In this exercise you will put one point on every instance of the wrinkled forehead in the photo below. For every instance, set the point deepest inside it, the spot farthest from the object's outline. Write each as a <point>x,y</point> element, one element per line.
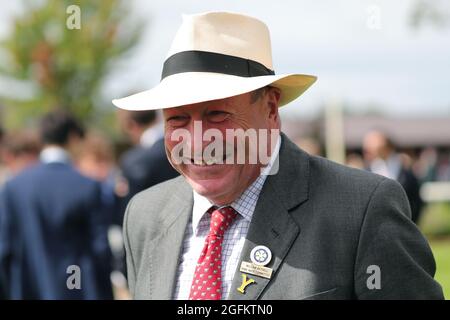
<point>230,103</point>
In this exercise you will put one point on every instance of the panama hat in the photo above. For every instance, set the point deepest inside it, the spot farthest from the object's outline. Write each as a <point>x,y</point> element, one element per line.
<point>216,55</point>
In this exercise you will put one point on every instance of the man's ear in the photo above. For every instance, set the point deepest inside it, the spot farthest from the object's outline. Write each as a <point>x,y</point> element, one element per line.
<point>273,96</point>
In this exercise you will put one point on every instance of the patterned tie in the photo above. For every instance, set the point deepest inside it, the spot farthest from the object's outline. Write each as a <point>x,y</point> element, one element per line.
<point>207,281</point>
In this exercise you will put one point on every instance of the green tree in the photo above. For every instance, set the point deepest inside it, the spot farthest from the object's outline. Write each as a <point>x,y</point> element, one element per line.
<point>435,13</point>
<point>63,67</point>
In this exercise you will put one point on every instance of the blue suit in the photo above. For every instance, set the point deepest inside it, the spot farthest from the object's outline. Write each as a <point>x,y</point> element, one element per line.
<point>145,167</point>
<point>51,217</point>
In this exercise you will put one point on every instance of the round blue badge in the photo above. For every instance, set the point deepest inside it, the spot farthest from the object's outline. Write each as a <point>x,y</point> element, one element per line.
<point>261,255</point>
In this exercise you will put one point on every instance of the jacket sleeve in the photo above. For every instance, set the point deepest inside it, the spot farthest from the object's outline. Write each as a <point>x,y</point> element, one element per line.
<point>100,250</point>
<point>5,246</point>
<point>131,273</point>
<point>393,259</point>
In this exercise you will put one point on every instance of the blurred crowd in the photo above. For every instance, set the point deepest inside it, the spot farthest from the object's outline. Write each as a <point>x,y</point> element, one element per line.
<point>411,168</point>
<point>64,192</point>
<point>63,195</point>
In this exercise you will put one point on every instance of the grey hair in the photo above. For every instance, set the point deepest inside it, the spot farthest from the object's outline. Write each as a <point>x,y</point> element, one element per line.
<point>258,94</point>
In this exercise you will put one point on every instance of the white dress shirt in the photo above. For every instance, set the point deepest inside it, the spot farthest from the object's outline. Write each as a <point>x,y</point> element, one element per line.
<point>234,238</point>
<point>151,135</point>
<point>53,154</point>
<point>390,168</point>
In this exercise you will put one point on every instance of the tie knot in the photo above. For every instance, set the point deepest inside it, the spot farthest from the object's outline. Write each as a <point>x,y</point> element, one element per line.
<point>221,219</point>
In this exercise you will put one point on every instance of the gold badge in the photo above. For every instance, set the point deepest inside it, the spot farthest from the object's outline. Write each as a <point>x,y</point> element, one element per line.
<point>245,283</point>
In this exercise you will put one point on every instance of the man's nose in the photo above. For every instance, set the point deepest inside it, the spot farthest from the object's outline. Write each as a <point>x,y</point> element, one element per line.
<point>197,144</point>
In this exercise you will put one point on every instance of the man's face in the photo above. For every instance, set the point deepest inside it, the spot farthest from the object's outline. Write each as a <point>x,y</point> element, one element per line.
<point>375,146</point>
<point>220,183</point>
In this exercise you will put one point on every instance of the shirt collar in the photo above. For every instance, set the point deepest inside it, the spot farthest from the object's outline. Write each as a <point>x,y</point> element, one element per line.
<point>245,204</point>
<point>151,135</point>
<point>54,154</point>
<point>390,167</point>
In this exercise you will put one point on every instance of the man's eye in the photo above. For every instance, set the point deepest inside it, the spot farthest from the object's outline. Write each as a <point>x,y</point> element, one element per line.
<point>218,116</point>
<point>177,121</point>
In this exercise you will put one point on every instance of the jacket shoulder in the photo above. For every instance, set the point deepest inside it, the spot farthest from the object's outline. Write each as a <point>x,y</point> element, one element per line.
<point>149,203</point>
<point>331,175</point>
<point>162,192</point>
<point>342,194</point>
<point>54,177</point>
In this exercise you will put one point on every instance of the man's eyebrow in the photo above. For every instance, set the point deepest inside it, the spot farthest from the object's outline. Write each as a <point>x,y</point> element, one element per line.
<point>218,110</point>
<point>176,116</point>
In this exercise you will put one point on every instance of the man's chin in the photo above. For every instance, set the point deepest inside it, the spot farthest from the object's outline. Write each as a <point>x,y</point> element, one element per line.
<point>209,188</point>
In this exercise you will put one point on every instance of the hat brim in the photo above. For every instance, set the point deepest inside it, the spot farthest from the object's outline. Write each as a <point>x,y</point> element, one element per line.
<point>194,87</point>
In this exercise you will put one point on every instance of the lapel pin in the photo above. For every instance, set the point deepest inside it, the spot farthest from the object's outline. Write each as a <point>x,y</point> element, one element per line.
<point>245,283</point>
<point>260,257</point>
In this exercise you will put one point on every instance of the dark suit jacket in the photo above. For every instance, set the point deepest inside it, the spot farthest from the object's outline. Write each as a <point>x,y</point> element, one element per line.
<point>51,218</point>
<point>146,167</point>
<point>411,185</point>
<point>327,226</point>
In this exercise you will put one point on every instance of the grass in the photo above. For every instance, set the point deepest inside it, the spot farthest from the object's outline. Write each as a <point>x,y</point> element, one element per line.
<point>435,220</point>
<point>441,251</point>
<point>435,224</point>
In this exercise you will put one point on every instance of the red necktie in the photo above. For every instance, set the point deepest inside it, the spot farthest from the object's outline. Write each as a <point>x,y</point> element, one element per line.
<point>207,281</point>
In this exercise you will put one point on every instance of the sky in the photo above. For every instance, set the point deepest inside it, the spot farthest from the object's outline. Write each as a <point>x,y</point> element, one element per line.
<point>365,53</point>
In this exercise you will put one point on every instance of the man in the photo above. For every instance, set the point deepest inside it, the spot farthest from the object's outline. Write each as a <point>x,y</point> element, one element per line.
<point>146,164</point>
<point>381,158</point>
<point>19,151</point>
<point>53,242</point>
<point>294,227</point>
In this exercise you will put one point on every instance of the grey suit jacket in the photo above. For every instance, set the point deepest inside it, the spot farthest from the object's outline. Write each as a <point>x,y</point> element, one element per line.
<point>327,226</point>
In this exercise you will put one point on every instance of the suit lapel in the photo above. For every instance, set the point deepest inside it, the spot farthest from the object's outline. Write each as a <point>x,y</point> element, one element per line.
<point>167,248</point>
<point>272,224</point>
<point>272,227</point>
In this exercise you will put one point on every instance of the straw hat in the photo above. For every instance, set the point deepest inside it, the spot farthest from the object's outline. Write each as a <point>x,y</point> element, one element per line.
<point>216,55</point>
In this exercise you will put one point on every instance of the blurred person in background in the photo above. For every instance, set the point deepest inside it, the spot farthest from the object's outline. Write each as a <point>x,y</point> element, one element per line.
<point>443,167</point>
<point>381,157</point>
<point>20,149</point>
<point>3,170</point>
<point>310,145</point>
<point>52,224</point>
<point>426,165</point>
<point>146,164</point>
<point>96,160</point>
<point>95,157</point>
<point>355,160</point>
